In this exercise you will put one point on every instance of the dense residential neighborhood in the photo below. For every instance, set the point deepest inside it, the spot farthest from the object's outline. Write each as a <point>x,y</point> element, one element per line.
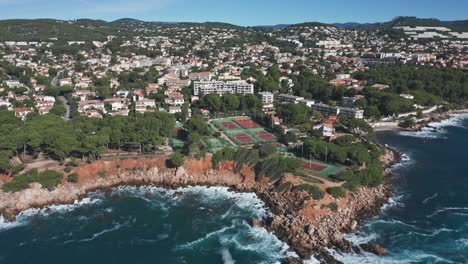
<point>171,68</point>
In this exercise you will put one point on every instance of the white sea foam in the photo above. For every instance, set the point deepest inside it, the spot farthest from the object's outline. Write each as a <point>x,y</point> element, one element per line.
<point>5,224</point>
<point>405,257</point>
<point>115,227</point>
<point>227,257</point>
<point>425,201</point>
<point>358,238</point>
<point>394,202</point>
<point>206,237</point>
<point>462,242</point>
<point>426,133</point>
<point>447,209</point>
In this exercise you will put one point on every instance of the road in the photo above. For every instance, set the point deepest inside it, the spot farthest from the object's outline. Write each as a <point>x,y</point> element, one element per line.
<point>56,78</point>
<point>60,97</point>
<point>67,107</point>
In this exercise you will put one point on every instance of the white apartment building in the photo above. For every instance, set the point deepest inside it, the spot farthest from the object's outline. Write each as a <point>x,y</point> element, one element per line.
<point>288,98</point>
<point>266,97</point>
<point>337,110</point>
<point>219,87</point>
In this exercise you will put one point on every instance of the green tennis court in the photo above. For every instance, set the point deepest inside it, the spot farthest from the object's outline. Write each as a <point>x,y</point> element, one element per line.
<point>320,167</point>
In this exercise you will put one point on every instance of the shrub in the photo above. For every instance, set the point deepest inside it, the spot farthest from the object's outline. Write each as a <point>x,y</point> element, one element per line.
<point>18,168</point>
<point>333,206</point>
<point>176,160</point>
<point>407,122</point>
<point>267,149</point>
<point>314,191</point>
<point>73,162</point>
<point>67,169</point>
<point>337,192</point>
<point>102,174</point>
<point>47,178</point>
<point>73,177</point>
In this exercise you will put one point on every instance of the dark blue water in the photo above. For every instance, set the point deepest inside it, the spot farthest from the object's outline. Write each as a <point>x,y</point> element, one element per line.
<point>144,225</point>
<point>427,220</point>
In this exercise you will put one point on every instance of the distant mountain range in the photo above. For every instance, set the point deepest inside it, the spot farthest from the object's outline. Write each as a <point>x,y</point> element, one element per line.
<point>90,29</point>
<point>461,25</point>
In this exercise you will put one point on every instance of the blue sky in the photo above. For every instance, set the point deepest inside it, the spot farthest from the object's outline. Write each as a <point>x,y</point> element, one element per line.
<point>240,12</point>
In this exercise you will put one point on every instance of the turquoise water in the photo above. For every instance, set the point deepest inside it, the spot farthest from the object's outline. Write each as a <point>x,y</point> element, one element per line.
<point>427,220</point>
<point>144,225</point>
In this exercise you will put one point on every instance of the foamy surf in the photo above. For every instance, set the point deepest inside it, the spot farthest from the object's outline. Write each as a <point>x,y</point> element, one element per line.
<point>227,257</point>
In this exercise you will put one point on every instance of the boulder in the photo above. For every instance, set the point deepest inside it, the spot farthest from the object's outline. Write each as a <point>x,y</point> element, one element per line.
<point>374,248</point>
<point>257,223</point>
<point>291,260</point>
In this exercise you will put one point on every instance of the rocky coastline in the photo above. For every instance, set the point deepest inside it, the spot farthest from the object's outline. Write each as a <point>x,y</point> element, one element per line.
<point>436,117</point>
<point>306,225</point>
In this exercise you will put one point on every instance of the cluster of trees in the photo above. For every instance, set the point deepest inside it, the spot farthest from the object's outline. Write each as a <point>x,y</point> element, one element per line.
<point>450,84</point>
<point>81,136</point>
<point>8,70</point>
<point>138,78</point>
<point>229,102</point>
<point>264,157</point>
<point>387,103</point>
<point>311,86</point>
<point>196,128</point>
<point>372,175</point>
<point>294,114</point>
<point>265,83</point>
<point>345,150</point>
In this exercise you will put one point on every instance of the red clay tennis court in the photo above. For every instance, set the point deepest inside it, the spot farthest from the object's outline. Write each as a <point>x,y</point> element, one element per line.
<point>229,125</point>
<point>313,166</point>
<point>247,123</point>
<point>265,135</point>
<point>243,138</point>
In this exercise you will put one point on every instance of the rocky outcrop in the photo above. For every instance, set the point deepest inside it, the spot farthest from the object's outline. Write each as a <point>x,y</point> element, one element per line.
<point>307,225</point>
<point>374,248</point>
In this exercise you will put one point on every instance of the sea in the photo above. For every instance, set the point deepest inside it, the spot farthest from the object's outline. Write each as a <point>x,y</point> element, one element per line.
<point>426,221</point>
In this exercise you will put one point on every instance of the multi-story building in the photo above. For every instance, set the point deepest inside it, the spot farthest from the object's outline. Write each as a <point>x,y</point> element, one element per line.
<point>288,98</point>
<point>266,97</point>
<point>200,76</point>
<point>204,88</point>
<point>338,110</point>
